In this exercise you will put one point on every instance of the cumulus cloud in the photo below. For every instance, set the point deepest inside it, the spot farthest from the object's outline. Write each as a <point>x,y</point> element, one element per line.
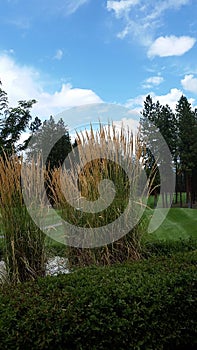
<point>189,83</point>
<point>171,98</point>
<point>171,46</point>
<point>25,82</point>
<point>136,102</point>
<point>67,97</point>
<point>20,82</point>
<point>153,81</point>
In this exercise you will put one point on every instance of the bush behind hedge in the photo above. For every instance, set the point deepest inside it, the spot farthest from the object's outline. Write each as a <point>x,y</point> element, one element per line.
<point>143,305</point>
<point>168,247</point>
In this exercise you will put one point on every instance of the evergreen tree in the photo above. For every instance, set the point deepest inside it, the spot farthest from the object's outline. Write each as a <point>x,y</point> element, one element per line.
<point>167,125</point>
<point>149,144</point>
<point>164,121</point>
<point>187,151</point>
<point>52,140</point>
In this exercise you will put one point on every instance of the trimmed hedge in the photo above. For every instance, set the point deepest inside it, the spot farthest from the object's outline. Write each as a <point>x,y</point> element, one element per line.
<point>143,305</point>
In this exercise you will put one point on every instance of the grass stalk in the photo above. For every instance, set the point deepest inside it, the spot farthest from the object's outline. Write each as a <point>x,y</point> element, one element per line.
<point>24,248</point>
<point>92,167</point>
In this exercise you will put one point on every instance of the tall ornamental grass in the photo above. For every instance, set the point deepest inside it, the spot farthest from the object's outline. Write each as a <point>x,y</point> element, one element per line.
<point>24,242</point>
<point>91,169</point>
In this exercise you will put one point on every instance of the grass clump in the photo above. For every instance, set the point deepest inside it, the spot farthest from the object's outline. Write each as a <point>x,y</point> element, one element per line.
<point>81,181</point>
<point>23,242</point>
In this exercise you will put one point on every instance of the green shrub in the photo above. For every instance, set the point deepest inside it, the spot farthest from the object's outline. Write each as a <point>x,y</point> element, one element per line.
<point>141,305</point>
<point>167,248</point>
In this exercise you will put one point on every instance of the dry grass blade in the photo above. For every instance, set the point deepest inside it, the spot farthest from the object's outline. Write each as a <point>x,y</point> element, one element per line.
<point>24,253</point>
<point>103,154</point>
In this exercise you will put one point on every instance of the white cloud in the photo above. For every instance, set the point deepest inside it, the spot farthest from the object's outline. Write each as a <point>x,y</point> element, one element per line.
<point>122,6</point>
<point>123,34</point>
<point>142,17</point>
<point>20,82</point>
<point>177,3</point>
<point>171,46</point>
<point>73,5</point>
<point>67,97</point>
<point>25,82</point>
<point>128,124</point>
<point>159,7</point>
<point>136,102</point>
<point>189,83</point>
<point>45,8</point>
<point>59,54</point>
<point>153,81</point>
<point>20,22</point>
<point>171,98</point>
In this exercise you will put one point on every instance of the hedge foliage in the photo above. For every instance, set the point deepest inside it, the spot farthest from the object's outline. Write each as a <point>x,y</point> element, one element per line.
<point>168,247</point>
<point>149,304</point>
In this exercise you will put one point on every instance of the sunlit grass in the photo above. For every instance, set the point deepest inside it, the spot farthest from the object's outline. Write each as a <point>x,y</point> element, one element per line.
<point>180,223</point>
<point>115,149</point>
<point>23,241</point>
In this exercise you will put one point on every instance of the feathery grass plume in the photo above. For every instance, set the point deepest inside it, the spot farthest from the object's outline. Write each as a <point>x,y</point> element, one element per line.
<point>24,248</point>
<point>105,154</point>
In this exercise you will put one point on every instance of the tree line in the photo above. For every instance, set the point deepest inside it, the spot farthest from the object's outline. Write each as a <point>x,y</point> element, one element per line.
<point>179,129</point>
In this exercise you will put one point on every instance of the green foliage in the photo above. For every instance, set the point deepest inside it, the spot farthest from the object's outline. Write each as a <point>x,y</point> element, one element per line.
<point>179,130</point>
<point>13,121</point>
<point>54,248</point>
<point>187,133</point>
<point>163,118</point>
<point>143,305</point>
<point>52,140</point>
<point>168,248</point>
<point>3,99</point>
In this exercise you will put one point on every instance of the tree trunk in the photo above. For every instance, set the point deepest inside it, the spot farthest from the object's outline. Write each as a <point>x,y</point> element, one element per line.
<point>176,197</point>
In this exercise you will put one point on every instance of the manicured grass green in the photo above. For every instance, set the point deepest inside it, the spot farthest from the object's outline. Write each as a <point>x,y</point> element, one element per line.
<point>180,223</point>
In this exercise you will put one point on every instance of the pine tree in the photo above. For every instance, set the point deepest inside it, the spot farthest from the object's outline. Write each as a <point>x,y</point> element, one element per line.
<point>164,121</point>
<point>187,151</point>
<point>52,140</point>
<point>150,145</point>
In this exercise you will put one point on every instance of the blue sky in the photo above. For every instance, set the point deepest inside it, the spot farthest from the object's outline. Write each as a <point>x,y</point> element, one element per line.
<point>67,53</point>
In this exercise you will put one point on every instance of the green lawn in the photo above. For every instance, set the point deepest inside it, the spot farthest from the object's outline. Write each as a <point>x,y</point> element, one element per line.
<point>179,223</point>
